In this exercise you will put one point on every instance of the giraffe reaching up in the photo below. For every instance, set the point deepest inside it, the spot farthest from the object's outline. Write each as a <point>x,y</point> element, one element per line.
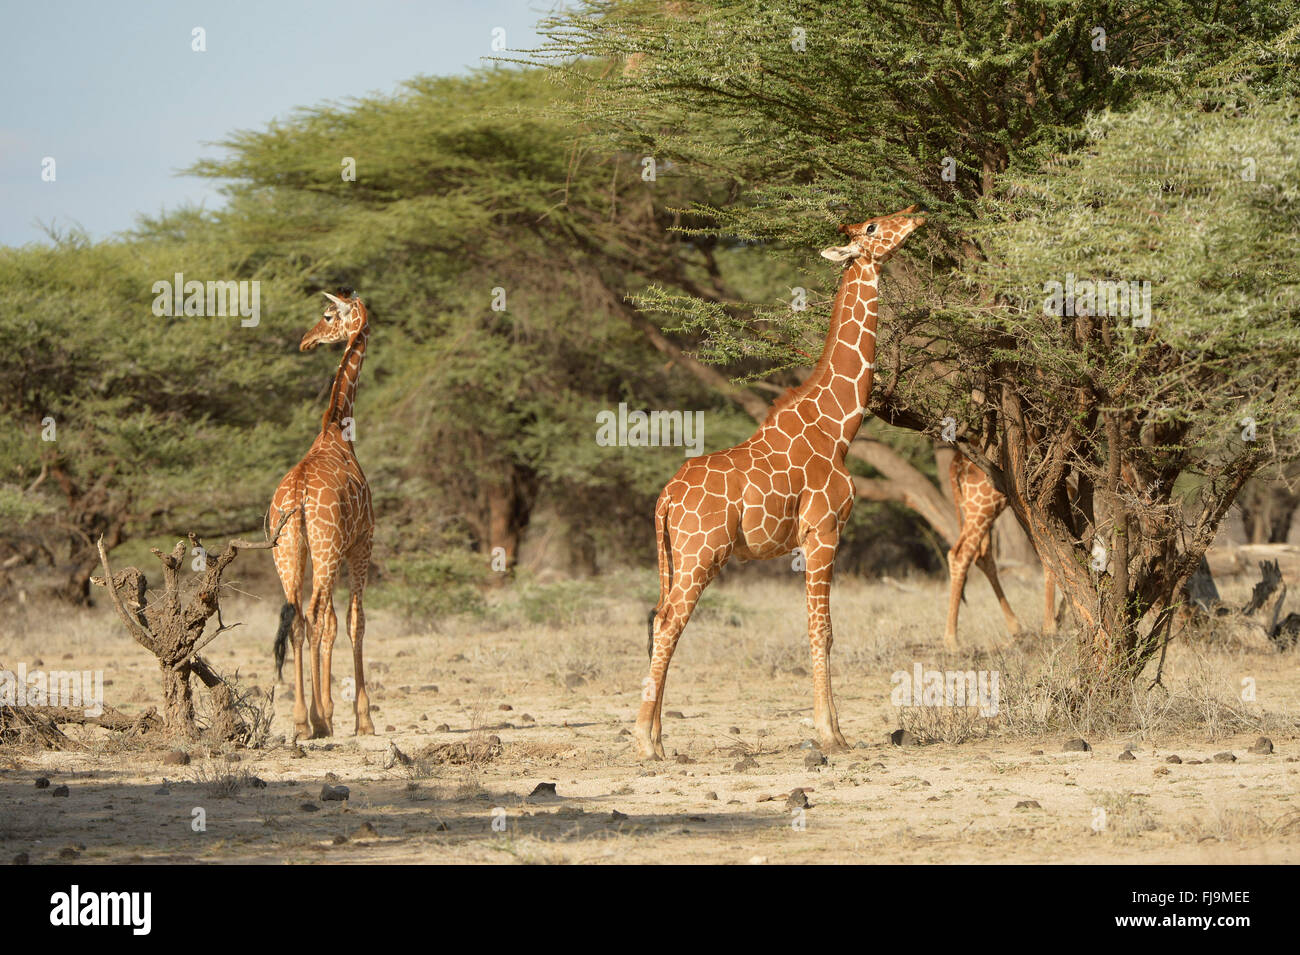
<point>978,505</point>
<point>335,521</point>
<point>785,487</point>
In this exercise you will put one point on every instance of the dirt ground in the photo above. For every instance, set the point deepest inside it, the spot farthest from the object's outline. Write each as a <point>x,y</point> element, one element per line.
<point>554,672</point>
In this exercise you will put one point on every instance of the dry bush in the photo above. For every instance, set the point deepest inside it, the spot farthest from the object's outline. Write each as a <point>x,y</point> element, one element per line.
<point>944,724</point>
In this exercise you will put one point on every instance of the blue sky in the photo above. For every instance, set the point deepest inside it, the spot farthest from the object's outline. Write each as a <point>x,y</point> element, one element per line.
<point>114,93</point>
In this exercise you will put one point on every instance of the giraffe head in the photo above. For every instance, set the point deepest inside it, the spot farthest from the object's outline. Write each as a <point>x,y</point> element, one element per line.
<point>343,319</point>
<point>876,239</point>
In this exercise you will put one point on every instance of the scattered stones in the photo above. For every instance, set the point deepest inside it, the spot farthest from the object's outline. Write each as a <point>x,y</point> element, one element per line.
<point>330,793</point>
<point>1028,804</point>
<point>901,738</point>
<point>1224,757</point>
<point>59,791</point>
<point>177,757</point>
<point>1175,758</point>
<point>814,760</point>
<point>747,763</point>
<point>1127,756</point>
<point>684,759</point>
<point>42,782</point>
<point>1263,746</point>
<point>1077,745</point>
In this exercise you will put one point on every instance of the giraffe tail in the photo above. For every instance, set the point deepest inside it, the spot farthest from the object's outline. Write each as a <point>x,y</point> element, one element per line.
<point>665,567</point>
<point>282,636</point>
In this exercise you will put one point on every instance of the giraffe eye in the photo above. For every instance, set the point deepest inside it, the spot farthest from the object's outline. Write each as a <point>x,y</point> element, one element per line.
<point>871,229</point>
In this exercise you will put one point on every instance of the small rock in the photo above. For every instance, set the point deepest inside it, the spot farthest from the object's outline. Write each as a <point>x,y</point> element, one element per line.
<point>59,791</point>
<point>814,760</point>
<point>1077,745</point>
<point>1263,746</point>
<point>365,831</point>
<point>575,680</point>
<point>67,852</point>
<point>684,759</point>
<point>21,859</point>
<point>617,816</point>
<point>257,782</point>
<point>330,793</point>
<point>442,728</point>
<point>162,791</point>
<point>711,796</point>
<point>1126,756</point>
<point>1224,757</point>
<point>1028,804</point>
<point>340,839</point>
<point>675,714</point>
<point>901,738</point>
<point>177,757</point>
<point>1193,762</point>
<point>797,800</point>
<point>734,730</point>
<point>1162,771</point>
<point>309,807</point>
<point>505,707</point>
<point>390,728</point>
<point>747,763</point>
<point>42,783</point>
<point>1175,758</point>
<point>1035,752</point>
<point>544,791</point>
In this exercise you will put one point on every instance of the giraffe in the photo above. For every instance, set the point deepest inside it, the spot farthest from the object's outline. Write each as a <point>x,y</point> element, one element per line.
<point>786,487</point>
<point>335,521</point>
<point>979,504</point>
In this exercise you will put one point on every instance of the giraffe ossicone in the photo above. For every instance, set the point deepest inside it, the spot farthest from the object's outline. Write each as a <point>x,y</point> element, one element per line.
<point>334,522</point>
<point>786,487</point>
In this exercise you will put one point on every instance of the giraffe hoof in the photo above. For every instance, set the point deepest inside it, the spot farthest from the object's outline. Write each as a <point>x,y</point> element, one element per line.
<point>367,730</point>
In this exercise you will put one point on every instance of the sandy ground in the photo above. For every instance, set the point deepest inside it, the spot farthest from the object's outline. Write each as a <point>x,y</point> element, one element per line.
<point>555,675</point>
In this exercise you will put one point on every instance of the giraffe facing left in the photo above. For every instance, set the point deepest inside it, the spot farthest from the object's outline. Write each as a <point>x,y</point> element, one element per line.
<point>334,522</point>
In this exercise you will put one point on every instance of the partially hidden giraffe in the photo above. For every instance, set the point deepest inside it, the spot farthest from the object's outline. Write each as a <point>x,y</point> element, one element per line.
<point>334,521</point>
<point>979,504</point>
<point>786,487</point>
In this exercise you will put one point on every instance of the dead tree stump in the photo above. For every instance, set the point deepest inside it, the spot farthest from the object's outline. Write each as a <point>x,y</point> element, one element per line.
<point>172,627</point>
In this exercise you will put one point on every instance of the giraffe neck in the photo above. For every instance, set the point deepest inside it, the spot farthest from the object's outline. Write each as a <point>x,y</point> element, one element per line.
<point>841,382</point>
<point>344,393</point>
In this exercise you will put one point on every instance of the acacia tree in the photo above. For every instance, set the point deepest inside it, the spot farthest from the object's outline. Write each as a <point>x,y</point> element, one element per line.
<point>813,115</point>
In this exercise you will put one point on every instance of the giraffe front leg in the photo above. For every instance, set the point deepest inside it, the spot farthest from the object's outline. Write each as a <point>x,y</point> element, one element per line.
<point>819,554</point>
<point>326,667</point>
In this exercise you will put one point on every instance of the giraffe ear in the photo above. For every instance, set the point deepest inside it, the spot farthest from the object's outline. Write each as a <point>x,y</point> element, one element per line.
<point>343,306</point>
<point>839,253</point>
